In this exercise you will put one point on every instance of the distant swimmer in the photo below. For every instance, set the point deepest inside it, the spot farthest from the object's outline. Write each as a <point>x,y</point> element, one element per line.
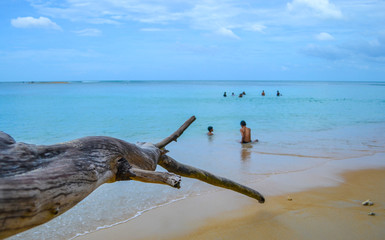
<point>240,95</point>
<point>263,93</point>
<point>278,93</point>
<point>243,93</point>
<point>211,130</point>
<point>232,94</point>
<point>224,94</point>
<point>245,133</point>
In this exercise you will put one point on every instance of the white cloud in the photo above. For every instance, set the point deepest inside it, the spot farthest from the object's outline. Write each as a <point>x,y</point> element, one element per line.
<point>107,11</point>
<point>30,22</point>
<point>151,29</point>
<point>326,52</point>
<point>256,27</point>
<point>227,33</point>
<point>204,15</point>
<point>211,16</point>
<point>89,32</point>
<point>321,8</point>
<point>323,36</point>
<point>49,54</point>
<point>159,29</point>
<point>373,50</point>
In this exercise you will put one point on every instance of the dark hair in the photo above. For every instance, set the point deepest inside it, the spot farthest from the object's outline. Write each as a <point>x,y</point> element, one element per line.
<point>210,128</point>
<point>243,123</point>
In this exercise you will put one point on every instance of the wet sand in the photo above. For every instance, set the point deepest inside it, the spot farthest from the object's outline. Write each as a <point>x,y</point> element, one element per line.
<point>333,212</point>
<point>322,213</point>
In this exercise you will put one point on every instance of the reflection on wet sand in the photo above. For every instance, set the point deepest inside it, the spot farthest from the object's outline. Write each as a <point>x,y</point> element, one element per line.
<point>246,152</point>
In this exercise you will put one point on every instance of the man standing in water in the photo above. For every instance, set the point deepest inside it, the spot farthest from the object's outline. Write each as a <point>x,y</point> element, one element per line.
<point>246,133</point>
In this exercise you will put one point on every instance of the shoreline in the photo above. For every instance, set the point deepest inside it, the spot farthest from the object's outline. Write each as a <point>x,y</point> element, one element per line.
<point>211,215</point>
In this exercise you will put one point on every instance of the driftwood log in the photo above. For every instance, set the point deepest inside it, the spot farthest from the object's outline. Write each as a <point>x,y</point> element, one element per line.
<point>38,182</point>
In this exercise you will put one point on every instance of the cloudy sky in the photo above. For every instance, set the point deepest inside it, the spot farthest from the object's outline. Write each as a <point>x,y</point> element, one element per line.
<point>65,40</point>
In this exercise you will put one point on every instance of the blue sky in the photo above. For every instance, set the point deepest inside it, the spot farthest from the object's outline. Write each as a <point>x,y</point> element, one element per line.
<point>71,40</point>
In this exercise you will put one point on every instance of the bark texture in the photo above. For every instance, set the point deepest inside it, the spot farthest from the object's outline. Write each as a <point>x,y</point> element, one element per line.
<point>38,182</point>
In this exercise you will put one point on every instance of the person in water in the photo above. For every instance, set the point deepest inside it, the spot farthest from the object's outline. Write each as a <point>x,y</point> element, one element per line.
<point>224,94</point>
<point>263,93</point>
<point>211,130</point>
<point>278,94</point>
<point>245,133</point>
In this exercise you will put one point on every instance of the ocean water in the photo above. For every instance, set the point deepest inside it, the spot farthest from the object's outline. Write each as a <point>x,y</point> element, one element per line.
<point>310,124</point>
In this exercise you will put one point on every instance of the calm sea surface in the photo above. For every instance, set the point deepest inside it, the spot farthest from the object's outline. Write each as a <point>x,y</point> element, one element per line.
<point>310,124</point>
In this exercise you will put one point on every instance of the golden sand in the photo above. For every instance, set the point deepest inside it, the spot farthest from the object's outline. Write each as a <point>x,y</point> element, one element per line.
<point>320,213</point>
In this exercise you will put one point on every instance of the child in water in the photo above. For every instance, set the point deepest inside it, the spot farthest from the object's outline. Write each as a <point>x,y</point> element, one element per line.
<point>211,130</point>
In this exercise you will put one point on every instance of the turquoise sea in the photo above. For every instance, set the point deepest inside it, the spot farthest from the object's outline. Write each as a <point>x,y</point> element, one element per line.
<point>310,124</point>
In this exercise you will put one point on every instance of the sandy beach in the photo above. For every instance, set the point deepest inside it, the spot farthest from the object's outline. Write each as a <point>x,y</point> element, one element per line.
<point>331,211</point>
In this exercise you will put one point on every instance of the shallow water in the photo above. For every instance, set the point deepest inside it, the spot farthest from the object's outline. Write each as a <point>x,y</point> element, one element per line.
<point>312,123</point>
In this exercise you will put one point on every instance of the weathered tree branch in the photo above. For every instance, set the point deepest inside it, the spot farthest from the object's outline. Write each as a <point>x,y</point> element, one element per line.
<point>156,177</point>
<point>38,183</point>
<point>184,170</point>
<point>176,134</point>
